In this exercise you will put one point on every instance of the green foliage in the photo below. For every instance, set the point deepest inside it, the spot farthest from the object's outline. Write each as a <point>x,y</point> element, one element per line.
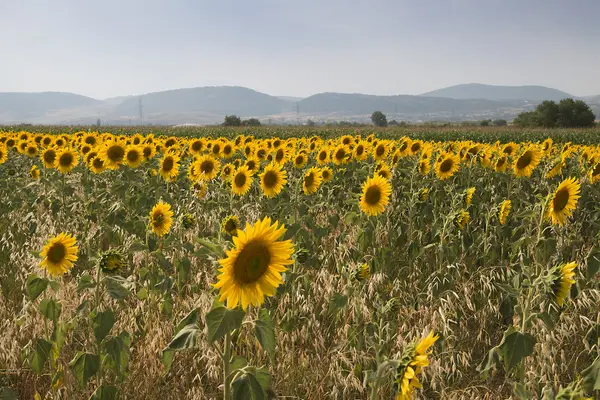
<point>379,119</point>
<point>221,321</point>
<point>265,332</point>
<point>568,113</point>
<point>84,366</point>
<point>232,120</point>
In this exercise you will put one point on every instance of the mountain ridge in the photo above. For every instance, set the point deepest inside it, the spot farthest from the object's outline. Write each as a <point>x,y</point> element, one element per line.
<point>499,92</point>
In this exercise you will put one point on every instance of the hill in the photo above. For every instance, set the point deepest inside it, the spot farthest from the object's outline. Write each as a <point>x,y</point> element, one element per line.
<point>31,107</point>
<point>498,93</point>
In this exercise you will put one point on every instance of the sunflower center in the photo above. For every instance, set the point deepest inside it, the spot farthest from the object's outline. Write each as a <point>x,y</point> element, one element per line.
<point>524,160</point>
<point>158,219</point>
<point>309,180</point>
<point>415,147</point>
<point>322,156</point>
<point>197,146</point>
<point>115,153</point>
<point>31,150</point>
<point>373,195</point>
<point>340,154</point>
<point>270,179</point>
<point>261,153</point>
<point>299,160</point>
<point>167,164</point>
<point>380,150</point>
<point>561,198</point>
<point>359,150</point>
<point>252,262</point>
<point>90,140</point>
<point>133,156</point>
<point>279,155</point>
<point>325,174</point>
<point>251,165</point>
<point>57,253</point>
<point>596,170</point>
<point>147,151</point>
<point>97,163</point>
<point>216,149</point>
<point>446,165</point>
<point>230,225</point>
<point>207,167</point>
<point>240,180</point>
<point>66,159</point>
<point>227,149</point>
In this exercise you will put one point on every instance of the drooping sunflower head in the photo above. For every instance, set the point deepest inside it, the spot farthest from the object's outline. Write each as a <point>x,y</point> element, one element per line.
<point>112,261</point>
<point>311,181</point>
<point>273,179</point>
<point>564,201</point>
<point>161,218</point>
<point>424,194</point>
<point>363,272</point>
<point>66,159</point>
<point>469,196</point>
<point>462,218</point>
<point>555,168</point>
<point>447,165</point>
<point>562,281</point>
<point>241,180</point>
<point>59,254</point>
<point>414,359</point>
<point>501,164</point>
<point>200,189</point>
<point>525,164</point>
<point>188,220</point>
<point>252,269</point>
<point>375,197</point>
<point>504,212</point>
<point>230,225</point>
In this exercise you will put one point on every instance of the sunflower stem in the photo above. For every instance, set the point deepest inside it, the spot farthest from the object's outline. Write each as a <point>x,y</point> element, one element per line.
<point>227,367</point>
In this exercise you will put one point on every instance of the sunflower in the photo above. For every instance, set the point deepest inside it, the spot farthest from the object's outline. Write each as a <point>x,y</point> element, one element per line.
<point>362,273</point>
<point>375,195</point>
<point>200,189</point>
<point>469,196</point>
<point>510,148</point>
<point>262,153</point>
<point>188,220</point>
<point>161,218</point>
<point>34,172</point>
<point>361,151</point>
<point>3,154</point>
<point>273,179</point>
<point>323,157</point>
<point>462,218</point>
<point>311,181</point>
<point>501,164</point>
<point>446,165</point>
<point>326,174</point>
<point>58,254</point>
<point>384,171</point>
<point>112,260</point>
<point>527,161</point>
<point>207,167</point>
<point>230,225</point>
<point>504,212</point>
<point>112,154</point>
<point>341,154</point>
<point>563,280</point>
<point>300,160</point>
<point>564,201</point>
<point>148,151</point>
<point>424,166</point>
<point>46,141</point>
<point>414,359</point>
<point>227,171</point>
<point>556,169</point>
<point>196,146</point>
<point>90,139</point>
<point>547,146</point>
<point>241,180</point>
<point>281,155</point>
<point>252,164</point>
<point>252,269</point>
<point>96,165</point>
<point>66,159</point>
<point>134,156</point>
<point>595,173</point>
<point>424,194</point>
<point>169,167</point>
<point>31,150</point>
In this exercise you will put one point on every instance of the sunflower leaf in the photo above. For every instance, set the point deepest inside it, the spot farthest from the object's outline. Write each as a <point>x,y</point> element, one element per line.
<point>84,366</point>
<point>116,287</point>
<point>185,338</point>
<point>593,262</point>
<point>220,321</point>
<point>245,386</point>
<point>35,286</point>
<point>105,393</point>
<point>265,332</point>
<point>102,323</point>
<point>38,357</point>
<point>50,309</point>
<point>515,347</point>
<point>191,318</point>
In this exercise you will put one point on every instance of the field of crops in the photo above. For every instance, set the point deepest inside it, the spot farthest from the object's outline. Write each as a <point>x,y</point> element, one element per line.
<point>299,263</point>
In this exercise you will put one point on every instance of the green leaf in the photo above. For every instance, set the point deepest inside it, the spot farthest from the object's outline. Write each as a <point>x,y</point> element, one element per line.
<point>35,286</point>
<point>490,362</point>
<point>337,302</point>
<point>162,261</point>
<point>265,332</point>
<point>593,262</point>
<point>7,393</point>
<point>50,309</point>
<point>238,362</point>
<point>84,366</point>
<point>151,243</point>
<point>117,287</point>
<point>102,324</point>
<point>220,321</point>
<point>592,335</point>
<point>116,349</point>
<point>185,338</point>
<point>245,386</point>
<point>191,318</point>
<point>591,376</point>
<point>85,282</point>
<point>208,248</point>
<point>520,391</point>
<point>105,393</point>
<point>167,359</point>
<point>515,347</point>
<point>183,268</point>
<point>55,285</point>
<point>547,319</point>
<point>40,354</point>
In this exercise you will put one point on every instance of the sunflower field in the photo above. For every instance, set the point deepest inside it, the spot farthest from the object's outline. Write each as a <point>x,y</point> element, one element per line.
<point>299,263</point>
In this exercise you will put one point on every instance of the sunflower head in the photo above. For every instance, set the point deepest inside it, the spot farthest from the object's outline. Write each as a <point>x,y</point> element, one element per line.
<point>504,212</point>
<point>161,218</point>
<point>188,220</point>
<point>562,279</point>
<point>375,197</point>
<point>564,201</point>
<point>169,167</point>
<point>134,156</point>
<point>462,219</point>
<point>273,179</point>
<point>446,165</point>
<point>59,254</point>
<point>525,164</point>
<point>311,181</point>
<point>241,180</point>
<point>252,269</point>
<point>112,261</point>
<point>230,225</point>
<point>469,196</point>
<point>34,172</point>
<point>362,273</point>
<point>113,154</point>
<point>326,174</point>
<point>424,194</point>
<point>66,159</point>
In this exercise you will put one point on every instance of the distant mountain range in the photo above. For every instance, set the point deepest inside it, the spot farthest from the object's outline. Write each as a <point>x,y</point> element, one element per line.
<point>208,105</point>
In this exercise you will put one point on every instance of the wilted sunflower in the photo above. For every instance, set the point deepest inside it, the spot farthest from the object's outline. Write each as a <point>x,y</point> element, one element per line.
<point>188,220</point>
<point>564,201</point>
<point>161,218</point>
<point>527,161</point>
<point>424,194</point>
<point>414,359</point>
<point>326,174</point>
<point>113,154</point>
<point>362,273</point>
<point>169,167</point>
<point>96,165</point>
<point>504,212</point>
<point>230,225</point>
<point>58,254</point>
<point>112,260</point>
<point>311,181</point>
<point>462,218</point>
<point>562,282</point>
<point>446,165</point>
<point>66,159</point>
<point>273,179</point>
<point>241,180</point>
<point>200,189</point>
<point>34,172</point>
<point>375,195</point>
<point>134,156</point>
<point>469,196</point>
<point>252,269</point>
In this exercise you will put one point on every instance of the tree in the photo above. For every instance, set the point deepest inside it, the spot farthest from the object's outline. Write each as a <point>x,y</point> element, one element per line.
<point>526,119</point>
<point>547,114</point>
<point>499,122</point>
<point>379,118</point>
<point>485,122</point>
<point>251,122</point>
<point>393,123</point>
<point>232,120</point>
<point>572,114</point>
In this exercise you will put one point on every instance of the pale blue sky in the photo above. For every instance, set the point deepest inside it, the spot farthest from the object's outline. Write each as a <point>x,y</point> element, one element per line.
<point>104,48</point>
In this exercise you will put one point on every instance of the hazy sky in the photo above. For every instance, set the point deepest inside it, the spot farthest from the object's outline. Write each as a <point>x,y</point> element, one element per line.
<point>104,48</point>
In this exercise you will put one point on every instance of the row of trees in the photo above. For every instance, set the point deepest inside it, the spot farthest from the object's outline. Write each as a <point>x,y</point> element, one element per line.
<point>234,120</point>
<point>379,119</point>
<point>568,113</point>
